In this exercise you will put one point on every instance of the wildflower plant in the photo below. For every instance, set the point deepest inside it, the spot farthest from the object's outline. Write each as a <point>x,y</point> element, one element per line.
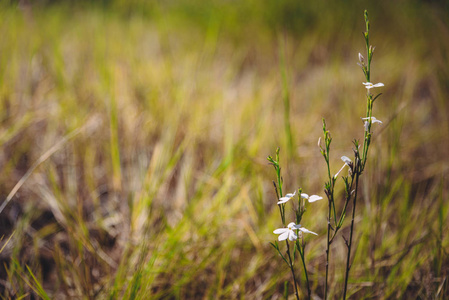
<point>337,211</point>
<point>293,232</point>
<point>355,167</point>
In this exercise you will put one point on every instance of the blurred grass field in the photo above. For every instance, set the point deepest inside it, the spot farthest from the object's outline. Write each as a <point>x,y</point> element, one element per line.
<point>153,122</point>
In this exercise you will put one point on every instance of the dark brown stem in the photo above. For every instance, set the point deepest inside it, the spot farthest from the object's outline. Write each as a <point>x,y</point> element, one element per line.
<point>349,243</point>
<point>327,250</point>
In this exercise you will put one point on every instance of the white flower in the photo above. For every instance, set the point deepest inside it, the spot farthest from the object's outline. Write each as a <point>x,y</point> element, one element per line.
<point>286,198</point>
<point>312,198</point>
<point>305,229</point>
<point>373,120</point>
<point>289,232</point>
<point>369,85</point>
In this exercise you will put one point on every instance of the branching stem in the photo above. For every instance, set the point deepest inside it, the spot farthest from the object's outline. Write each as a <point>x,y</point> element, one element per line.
<point>349,243</point>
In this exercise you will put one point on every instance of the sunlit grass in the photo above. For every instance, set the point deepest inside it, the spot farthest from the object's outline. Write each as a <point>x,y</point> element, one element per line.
<point>165,191</point>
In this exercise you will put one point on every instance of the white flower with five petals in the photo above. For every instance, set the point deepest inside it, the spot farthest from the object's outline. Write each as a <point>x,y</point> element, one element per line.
<point>369,85</point>
<point>290,232</point>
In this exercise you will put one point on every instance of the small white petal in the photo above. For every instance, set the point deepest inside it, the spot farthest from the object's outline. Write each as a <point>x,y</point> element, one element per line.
<point>305,196</point>
<point>307,230</point>
<point>286,198</point>
<point>283,236</point>
<point>283,200</point>
<point>291,225</point>
<point>373,120</point>
<point>378,84</point>
<point>346,160</point>
<point>292,236</point>
<point>280,230</point>
<point>361,58</point>
<point>314,198</point>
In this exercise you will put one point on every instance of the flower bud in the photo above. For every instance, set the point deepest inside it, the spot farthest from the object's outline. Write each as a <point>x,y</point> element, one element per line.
<point>361,58</point>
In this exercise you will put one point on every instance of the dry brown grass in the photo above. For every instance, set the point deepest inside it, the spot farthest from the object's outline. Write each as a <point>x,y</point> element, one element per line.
<point>165,191</point>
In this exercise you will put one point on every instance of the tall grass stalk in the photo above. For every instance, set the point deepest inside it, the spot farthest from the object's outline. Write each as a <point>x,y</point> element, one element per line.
<point>286,99</point>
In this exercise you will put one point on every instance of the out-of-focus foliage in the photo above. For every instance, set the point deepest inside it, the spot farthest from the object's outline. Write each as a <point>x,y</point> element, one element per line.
<point>161,115</point>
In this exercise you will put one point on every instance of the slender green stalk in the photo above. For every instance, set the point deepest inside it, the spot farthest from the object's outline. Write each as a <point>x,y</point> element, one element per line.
<point>360,161</point>
<point>292,270</point>
<point>301,252</point>
<point>286,290</point>
<point>355,170</point>
<point>329,190</point>
<point>301,249</point>
<point>349,244</point>
<point>327,249</point>
<point>348,189</point>
<point>275,163</point>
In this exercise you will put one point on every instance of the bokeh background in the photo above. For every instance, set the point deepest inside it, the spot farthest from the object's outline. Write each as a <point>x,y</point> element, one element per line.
<point>140,131</point>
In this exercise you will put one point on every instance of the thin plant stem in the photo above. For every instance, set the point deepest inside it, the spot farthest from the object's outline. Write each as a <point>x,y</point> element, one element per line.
<point>292,270</point>
<point>349,243</point>
<point>327,255</point>
<point>301,252</point>
<point>278,190</point>
<point>343,212</point>
<point>277,195</point>
<point>331,204</point>
<point>327,249</point>
<point>360,161</point>
<point>279,178</point>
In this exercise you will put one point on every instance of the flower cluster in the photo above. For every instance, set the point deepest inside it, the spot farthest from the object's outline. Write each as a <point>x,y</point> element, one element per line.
<point>369,85</point>
<point>293,231</point>
<point>289,196</point>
